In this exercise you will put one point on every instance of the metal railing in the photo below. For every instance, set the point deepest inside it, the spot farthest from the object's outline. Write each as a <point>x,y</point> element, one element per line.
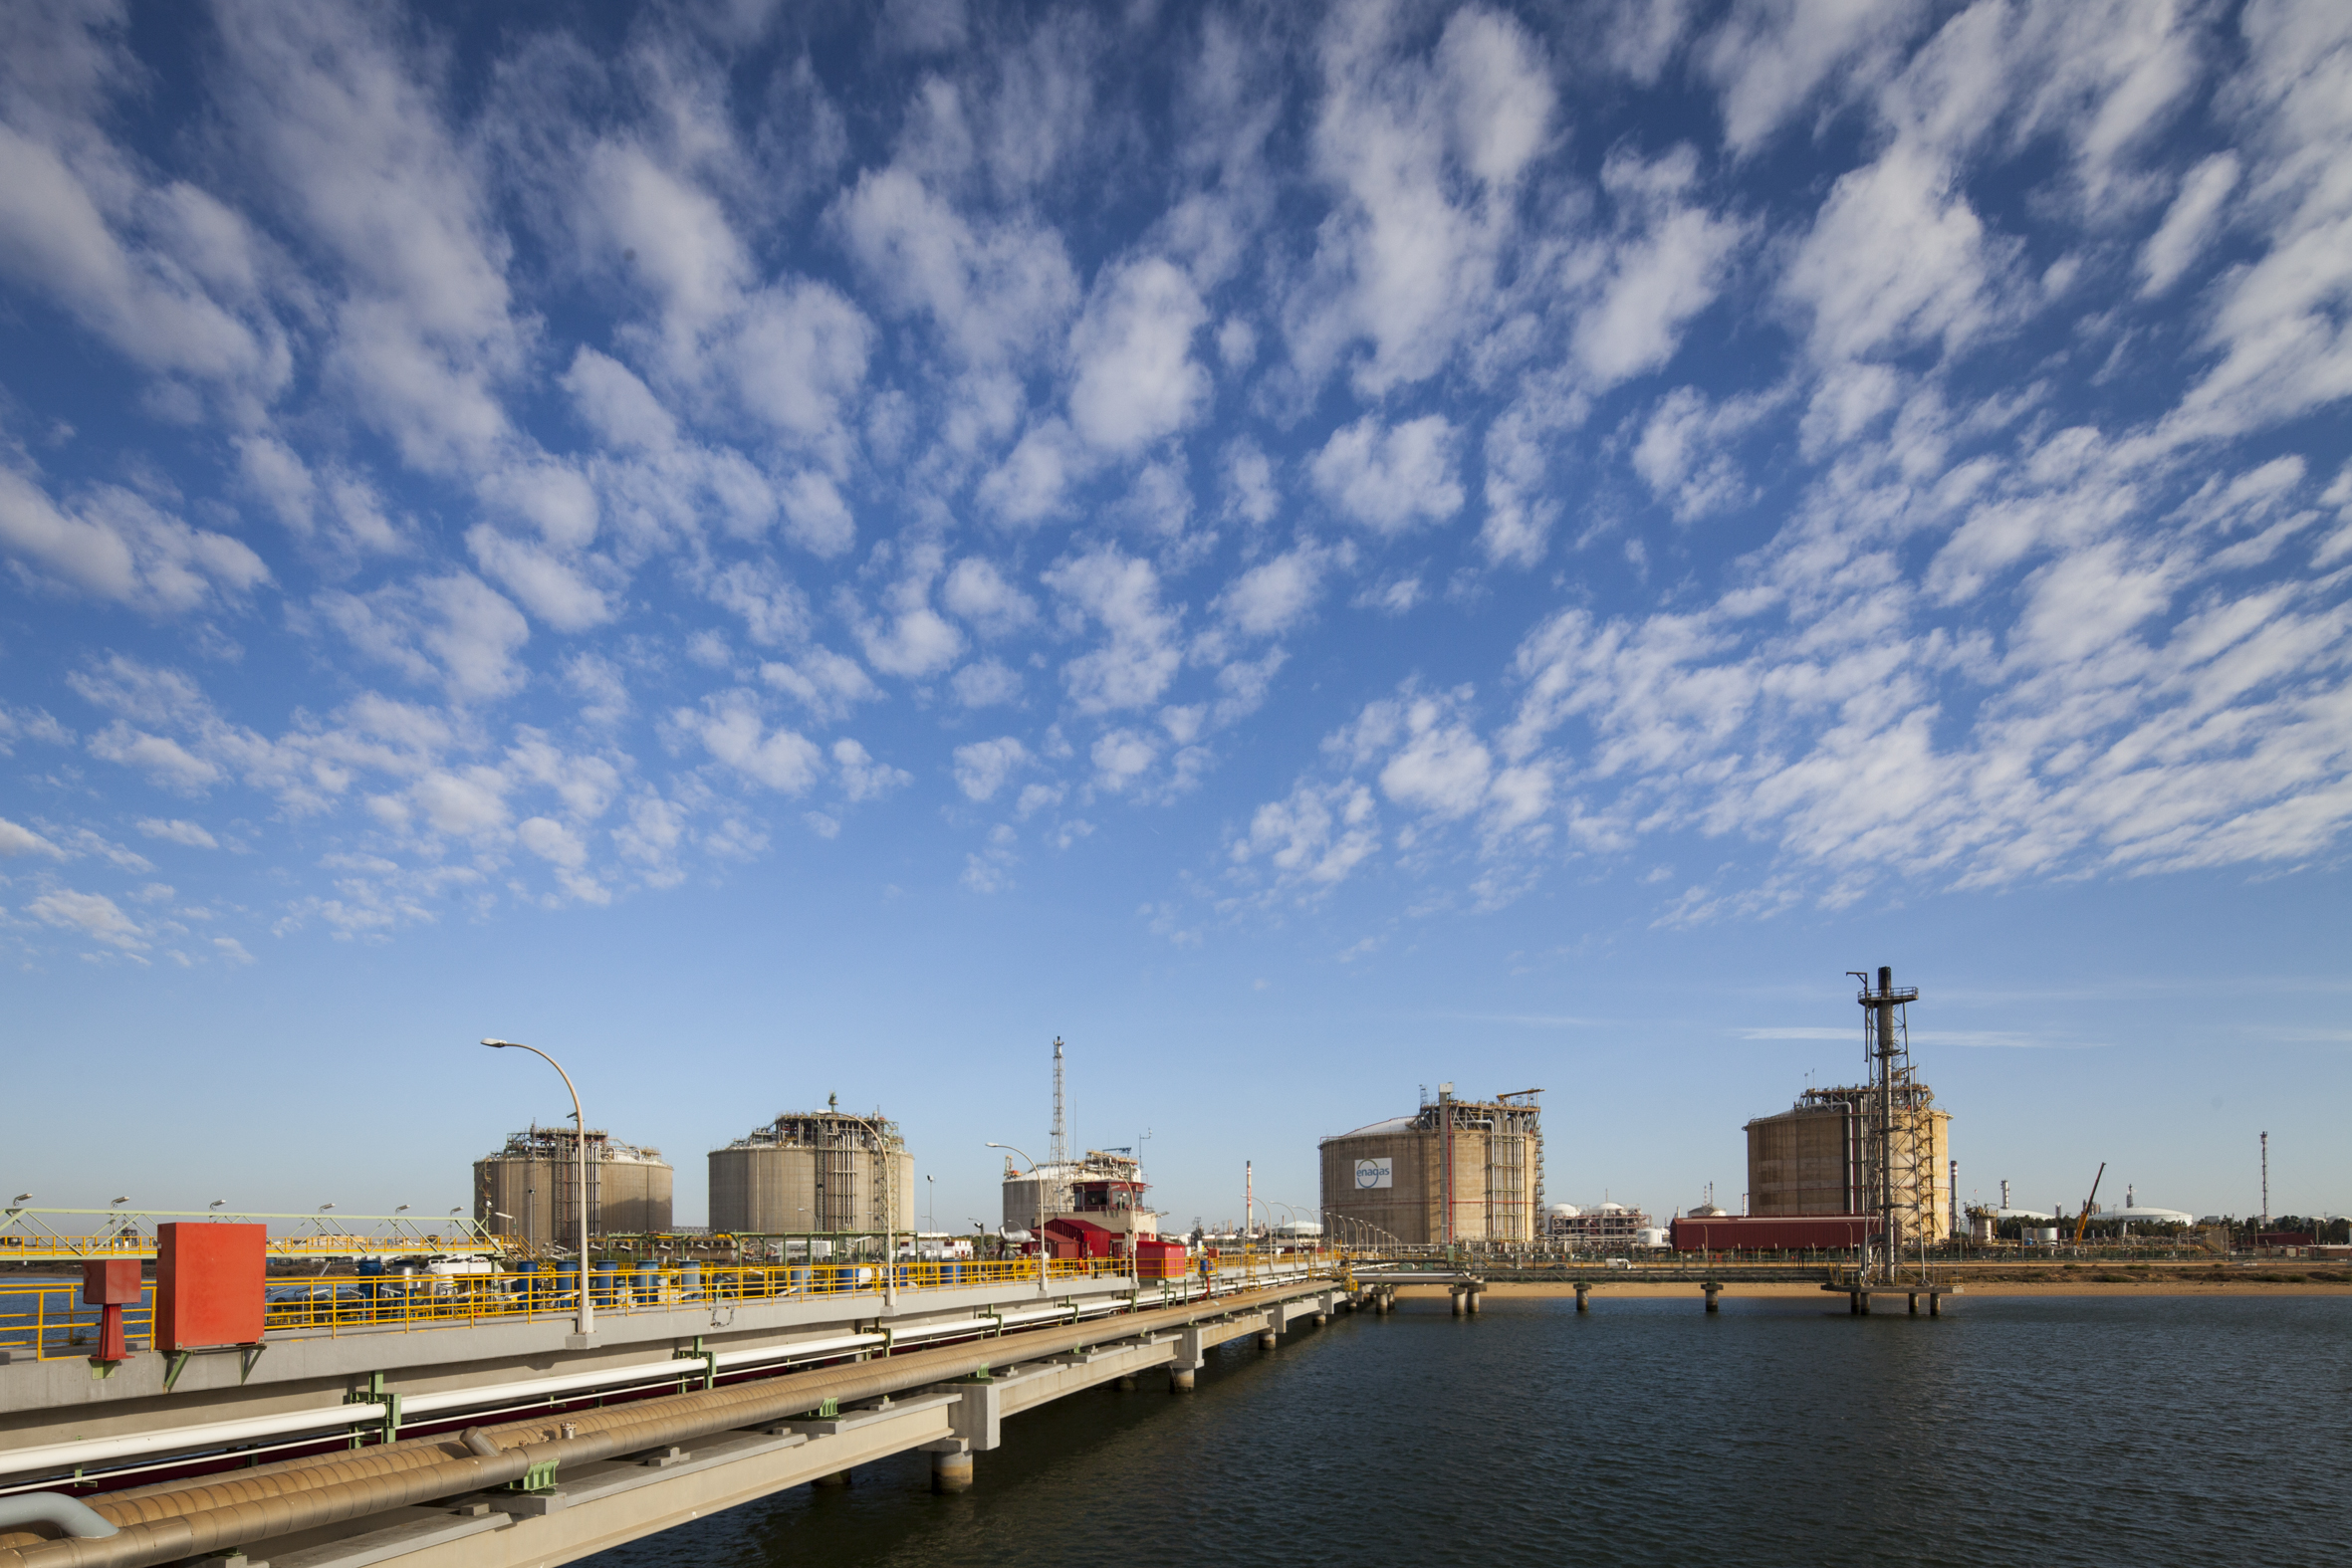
<point>48,1320</point>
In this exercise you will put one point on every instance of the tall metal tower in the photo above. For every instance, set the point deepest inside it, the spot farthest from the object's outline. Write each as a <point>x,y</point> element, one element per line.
<point>2265,1181</point>
<point>1903,1139</point>
<point>1058,1148</point>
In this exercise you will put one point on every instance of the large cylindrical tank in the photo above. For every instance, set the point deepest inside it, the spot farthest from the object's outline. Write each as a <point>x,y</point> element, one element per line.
<point>530,1188</point>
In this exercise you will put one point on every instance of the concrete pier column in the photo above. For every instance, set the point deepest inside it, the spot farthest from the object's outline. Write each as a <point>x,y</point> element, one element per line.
<point>1853,1303</point>
<point>1127,1384</point>
<point>1865,1303</point>
<point>836,1479</point>
<point>1323,1320</point>
<point>1458,1295</point>
<point>1583,1296</point>
<point>1471,1296</point>
<point>1267,1340</point>
<point>1383,1302</point>
<point>1712,1290</point>
<point>1935,1304</point>
<point>951,1468</point>
<point>1180,1380</point>
<point>1914,1296</point>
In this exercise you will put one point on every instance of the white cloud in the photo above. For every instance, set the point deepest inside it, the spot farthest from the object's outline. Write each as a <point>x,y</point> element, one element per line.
<point>986,684</point>
<point>862,778</point>
<point>730,728</point>
<point>1896,259</point>
<point>983,767</point>
<point>915,639</point>
<point>1136,378</point>
<point>2188,225</point>
<point>1275,595</point>
<point>231,950</point>
<point>1425,155</point>
<point>829,684</point>
<point>115,545</point>
<point>1684,452</point>
<point>1314,837</point>
<point>1120,756</point>
<point>817,518</point>
<point>1391,479</point>
<point>16,839</point>
<point>1140,656</point>
<point>453,630</point>
<point>977,591</point>
<point>1770,59</point>
<point>92,914</point>
<point>551,588</point>
<point>991,289</point>
<point>178,831</point>
<point>1666,264</point>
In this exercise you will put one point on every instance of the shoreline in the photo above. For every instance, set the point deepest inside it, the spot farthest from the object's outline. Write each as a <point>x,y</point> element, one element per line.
<point>1733,1286</point>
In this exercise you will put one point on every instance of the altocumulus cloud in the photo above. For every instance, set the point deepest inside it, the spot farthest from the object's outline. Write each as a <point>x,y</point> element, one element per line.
<point>1421,452</point>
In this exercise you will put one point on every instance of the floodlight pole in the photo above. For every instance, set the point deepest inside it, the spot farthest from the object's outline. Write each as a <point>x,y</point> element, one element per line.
<point>588,1305</point>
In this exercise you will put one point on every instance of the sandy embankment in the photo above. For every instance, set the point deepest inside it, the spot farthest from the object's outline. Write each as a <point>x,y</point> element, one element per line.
<point>1733,1286</point>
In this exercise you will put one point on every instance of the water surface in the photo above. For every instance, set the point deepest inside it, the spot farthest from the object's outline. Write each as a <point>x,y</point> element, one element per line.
<point>2048,1430</point>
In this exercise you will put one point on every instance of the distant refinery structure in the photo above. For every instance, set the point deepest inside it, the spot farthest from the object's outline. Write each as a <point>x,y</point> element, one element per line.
<point>823,1172</point>
<point>1454,1171</point>
<point>1860,1165</point>
<point>529,1191</point>
<point>1089,1207</point>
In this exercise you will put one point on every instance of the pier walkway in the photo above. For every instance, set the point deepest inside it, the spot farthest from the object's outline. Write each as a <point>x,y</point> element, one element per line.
<point>513,1441</point>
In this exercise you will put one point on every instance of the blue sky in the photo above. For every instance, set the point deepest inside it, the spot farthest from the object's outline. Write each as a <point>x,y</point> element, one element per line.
<point>1310,552</point>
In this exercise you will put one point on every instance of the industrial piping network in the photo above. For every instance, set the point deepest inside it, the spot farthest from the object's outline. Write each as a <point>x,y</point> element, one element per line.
<point>166,1525</point>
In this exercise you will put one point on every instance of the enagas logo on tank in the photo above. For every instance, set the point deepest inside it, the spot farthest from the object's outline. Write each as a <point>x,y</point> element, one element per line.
<point>1375,1173</point>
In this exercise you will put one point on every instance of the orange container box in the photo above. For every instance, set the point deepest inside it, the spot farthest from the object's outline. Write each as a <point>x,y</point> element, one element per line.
<point>209,1284</point>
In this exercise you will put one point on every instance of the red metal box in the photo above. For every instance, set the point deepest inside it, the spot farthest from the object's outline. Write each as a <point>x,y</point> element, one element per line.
<point>1159,1260</point>
<point>209,1284</point>
<point>110,1282</point>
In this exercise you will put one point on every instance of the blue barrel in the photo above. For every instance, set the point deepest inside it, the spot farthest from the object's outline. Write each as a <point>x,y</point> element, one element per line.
<point>607,1283</point>
<point>649,1283</point>
<point>690,1282</point>
<point>570,1291</point>
<point>526,1284</point>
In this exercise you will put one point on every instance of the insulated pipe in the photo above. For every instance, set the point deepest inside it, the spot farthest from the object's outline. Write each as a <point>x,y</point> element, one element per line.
<point>372,1484</point>
<point>212,1434</point>
<point>69,1514</point>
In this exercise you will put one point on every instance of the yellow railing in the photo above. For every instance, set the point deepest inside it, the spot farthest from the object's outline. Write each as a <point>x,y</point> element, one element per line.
<point>49,1320</point>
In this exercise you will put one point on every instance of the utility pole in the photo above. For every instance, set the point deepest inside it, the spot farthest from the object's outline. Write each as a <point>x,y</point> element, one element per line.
<point>2265,1181</point>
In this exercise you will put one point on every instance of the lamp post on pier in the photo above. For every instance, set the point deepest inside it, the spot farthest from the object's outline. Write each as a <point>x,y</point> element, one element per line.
<point>1036,1186</point>
<point>588,1306</point>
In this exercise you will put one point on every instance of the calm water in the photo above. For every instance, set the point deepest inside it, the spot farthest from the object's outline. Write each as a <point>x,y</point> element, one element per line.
<point>2093,1430</point>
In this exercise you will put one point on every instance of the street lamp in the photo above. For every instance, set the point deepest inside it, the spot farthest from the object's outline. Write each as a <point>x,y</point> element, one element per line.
<point>890,1211</point>
<point>1037,1185</point>
<point>588,1307</point>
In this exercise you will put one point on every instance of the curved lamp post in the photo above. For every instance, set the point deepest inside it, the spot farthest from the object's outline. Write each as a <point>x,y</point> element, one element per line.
<point>588,1306</point>
<point>889,1209</point>
<point>1037,1186</point>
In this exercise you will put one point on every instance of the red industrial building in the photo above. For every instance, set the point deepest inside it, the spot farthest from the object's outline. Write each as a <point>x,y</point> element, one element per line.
<point>1770,1233</point>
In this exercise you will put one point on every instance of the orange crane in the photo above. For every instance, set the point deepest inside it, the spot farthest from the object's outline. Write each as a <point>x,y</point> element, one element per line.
<point>2083,1224</point>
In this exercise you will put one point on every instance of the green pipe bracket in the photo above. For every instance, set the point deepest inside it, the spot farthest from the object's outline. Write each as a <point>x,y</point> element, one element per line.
<point>538,1478</point>
<point>708,1358</point>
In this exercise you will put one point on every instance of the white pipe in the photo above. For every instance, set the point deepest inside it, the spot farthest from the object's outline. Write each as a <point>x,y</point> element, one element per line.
<point>797,1351</point>
<point>211,1435</point>
<point>70,1514</point>
<point>415,1405</point>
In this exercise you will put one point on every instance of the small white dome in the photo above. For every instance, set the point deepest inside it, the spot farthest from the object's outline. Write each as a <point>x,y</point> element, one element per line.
<point>1612,1209</point>
<point>1564,1210</point>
